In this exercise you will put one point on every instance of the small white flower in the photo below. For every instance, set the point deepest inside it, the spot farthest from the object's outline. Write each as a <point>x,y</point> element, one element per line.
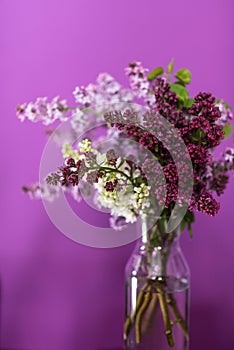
<point>68,152</point>
<point>85,145</point>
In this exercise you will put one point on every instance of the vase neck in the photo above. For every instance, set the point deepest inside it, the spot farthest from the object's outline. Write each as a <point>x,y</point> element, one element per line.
<point>155,236</point>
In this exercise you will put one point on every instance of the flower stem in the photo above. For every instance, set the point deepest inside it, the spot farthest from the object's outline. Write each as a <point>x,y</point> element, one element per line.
<point>83,109</point>
<point>150,313</point>
<point>112,170</point>
<point>140,313</point>
<point>183,325</point>
<point>166,316</point>
<point>130,319</point>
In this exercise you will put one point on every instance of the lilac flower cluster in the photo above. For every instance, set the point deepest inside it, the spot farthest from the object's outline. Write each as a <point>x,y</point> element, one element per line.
<point>217,175</point>
<point>166,100</point>
<point>73,172</point>
<point>50,193</point>
<point>197,125</point>
<point>139,83</point>
<point>226,113</point>
<point>94,99</point>
<point>106,90</point>
<point>138,78</point>
<point>207,204</point>
<point>43,111</point>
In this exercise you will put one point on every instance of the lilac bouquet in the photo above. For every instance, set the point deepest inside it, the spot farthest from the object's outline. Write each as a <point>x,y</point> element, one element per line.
<point>122,186</point>
<point>173,173</point>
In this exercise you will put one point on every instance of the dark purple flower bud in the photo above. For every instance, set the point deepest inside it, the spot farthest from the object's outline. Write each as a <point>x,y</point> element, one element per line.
<point>78,164</point>
<point>207,204</point>
<point>219,183</point>
<point>71,162</point>
<point>53,179</point>
<point>148,140</point>
<point>110,186</point>
<point>73,179</point>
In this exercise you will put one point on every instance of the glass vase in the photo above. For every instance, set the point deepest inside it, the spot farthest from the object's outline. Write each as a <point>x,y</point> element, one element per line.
<point>157,292</point>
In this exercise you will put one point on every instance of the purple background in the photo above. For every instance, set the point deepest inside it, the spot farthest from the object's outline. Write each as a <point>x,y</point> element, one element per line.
<point>56,294</point>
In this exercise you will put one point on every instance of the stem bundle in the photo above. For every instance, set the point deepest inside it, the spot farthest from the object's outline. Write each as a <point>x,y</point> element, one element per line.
<point>152,295</point>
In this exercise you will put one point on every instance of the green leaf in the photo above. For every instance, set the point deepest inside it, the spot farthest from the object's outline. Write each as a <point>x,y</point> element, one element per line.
<point>154,241</point>
<point>188,103</point>
<point>188,220</point>
<point>190,216</point>
<point>190,230</point>
<point>182,225</point>
<point>178,82</point>
<point>170,66</point>
<point>155,73</point>
<point>227,130</point>
<point>180,91</point>
<point>184,75</point>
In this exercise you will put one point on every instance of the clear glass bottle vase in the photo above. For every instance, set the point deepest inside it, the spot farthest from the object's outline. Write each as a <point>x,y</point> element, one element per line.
<point>157,293</point>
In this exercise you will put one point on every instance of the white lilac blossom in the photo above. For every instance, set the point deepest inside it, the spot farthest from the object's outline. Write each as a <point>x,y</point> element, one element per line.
<point>96,99</point>
<point>43,111</point>
<point>93,101</point>
<point>115,180</point>
<point>138,78</point>
<point>106,91</point>
<point>139,83</point>
<point>124,200</point>
<point>79,121</point>
<point>120,203</point>
<point>85,145</point>
<point>43,191</point>
<point>229,155</point>
<point>226,113</point>
<point>51,193</point>
<point>69,152</point>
